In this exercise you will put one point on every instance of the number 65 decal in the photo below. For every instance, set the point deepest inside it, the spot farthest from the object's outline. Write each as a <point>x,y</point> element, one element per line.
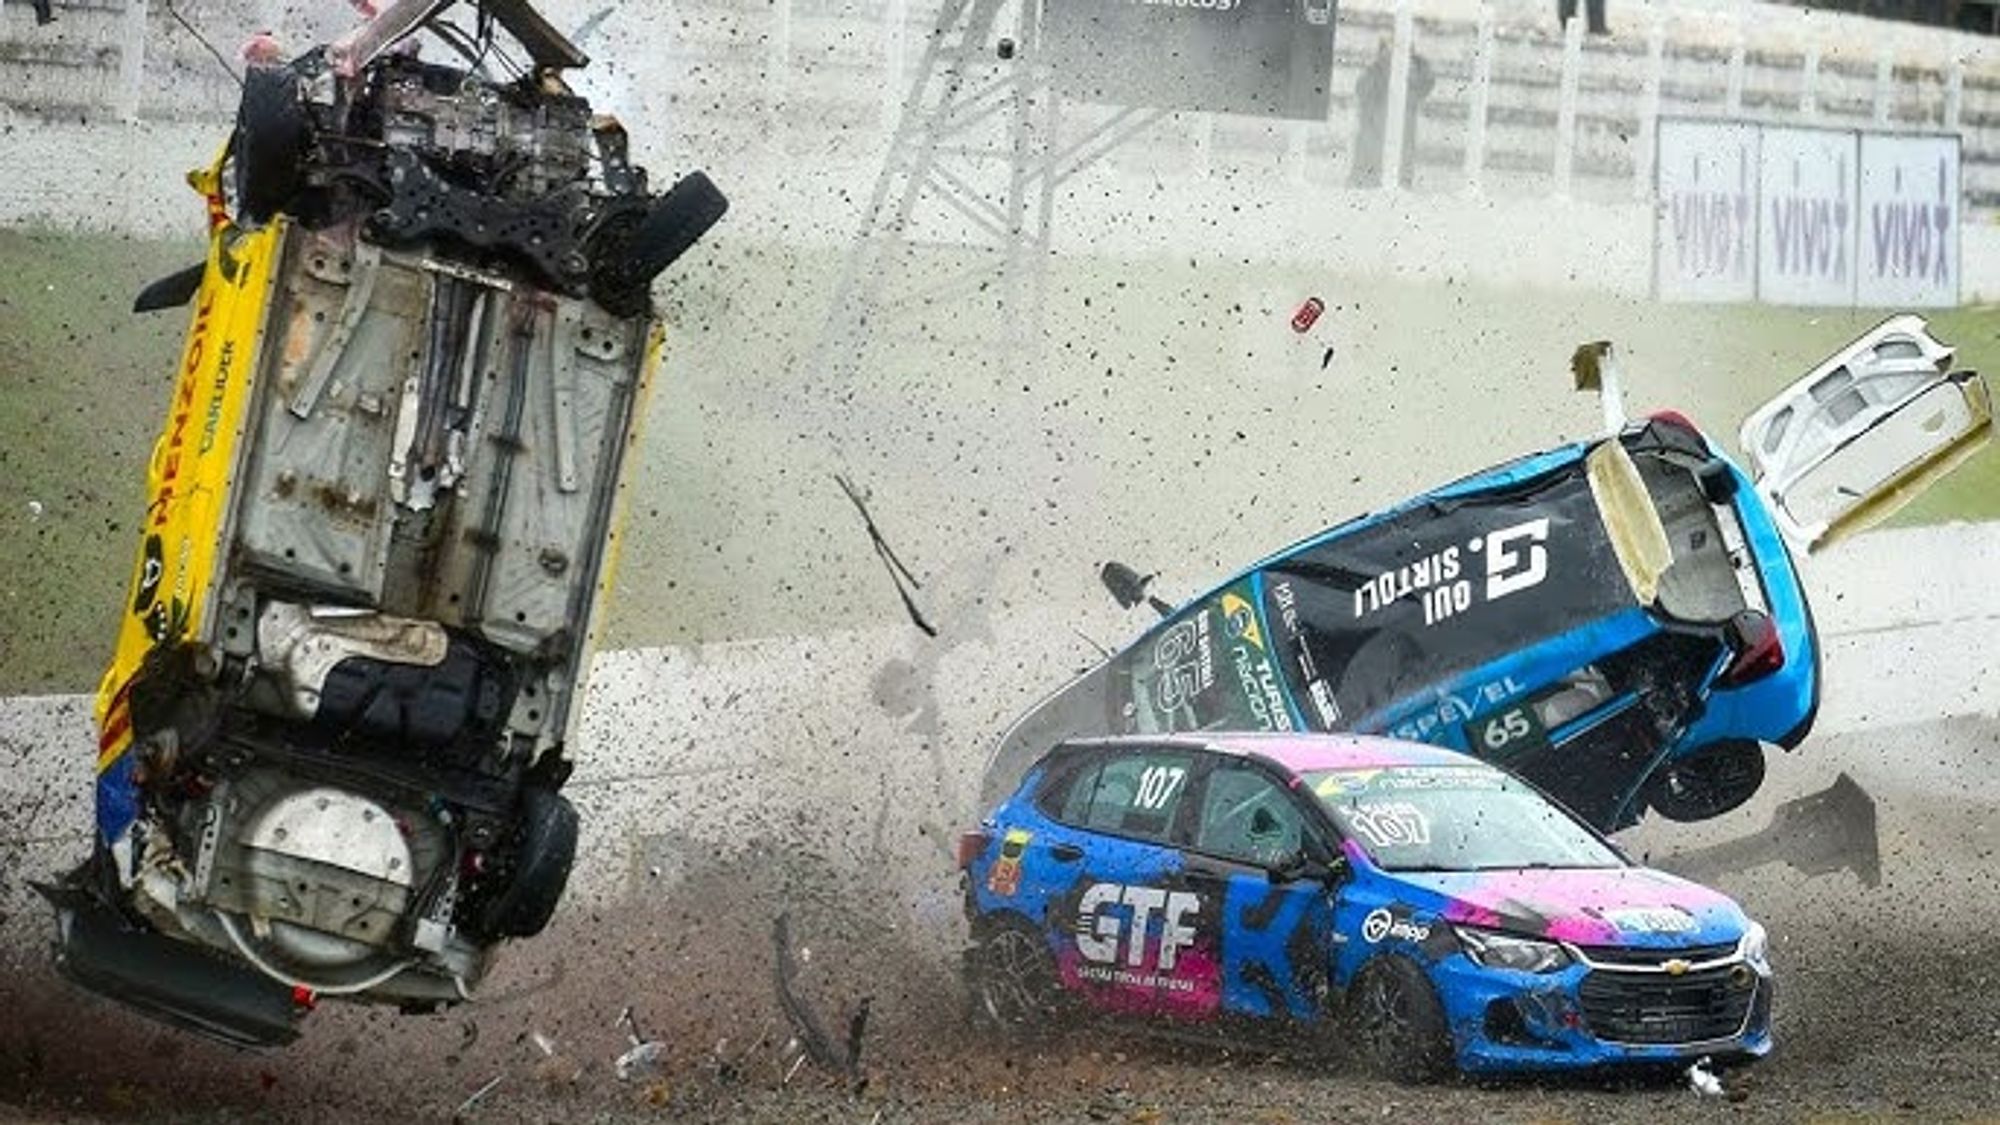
<point>1503,729</point>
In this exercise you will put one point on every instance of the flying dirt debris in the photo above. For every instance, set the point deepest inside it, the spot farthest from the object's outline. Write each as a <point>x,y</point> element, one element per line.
<point>1822,833</point>
<point>1619,620</point>
<point>842,1057</point>
<point>338,721</point>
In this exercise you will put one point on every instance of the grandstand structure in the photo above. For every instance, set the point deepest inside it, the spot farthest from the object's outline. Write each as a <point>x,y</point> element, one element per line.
<point>1516,105</point>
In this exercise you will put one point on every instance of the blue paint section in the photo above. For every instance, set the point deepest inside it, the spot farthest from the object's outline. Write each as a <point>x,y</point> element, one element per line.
<point>1265,943</point>
<point>117,798</point>
<point>1240,951</point>
<point>1777,708</point>
<point>1438,716</point>
<point>1554,1032</point>
<point>1781,705</point>
<point>1292,705</point>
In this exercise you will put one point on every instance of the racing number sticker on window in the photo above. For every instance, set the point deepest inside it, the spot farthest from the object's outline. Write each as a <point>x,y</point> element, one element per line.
<point>1391,824</point>
<point>1157,786</point>
<point>1184,663</point>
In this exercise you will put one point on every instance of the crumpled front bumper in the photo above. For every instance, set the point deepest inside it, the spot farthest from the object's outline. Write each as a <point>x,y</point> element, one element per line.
<point>1508,1021</point>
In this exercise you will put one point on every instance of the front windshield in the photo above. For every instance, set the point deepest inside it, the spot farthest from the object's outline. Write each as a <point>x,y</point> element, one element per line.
<point>1454,818</point>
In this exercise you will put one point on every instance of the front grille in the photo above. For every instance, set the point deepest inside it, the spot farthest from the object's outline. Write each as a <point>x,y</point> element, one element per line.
<point>1654,958</point>
<point>1656,1008</point>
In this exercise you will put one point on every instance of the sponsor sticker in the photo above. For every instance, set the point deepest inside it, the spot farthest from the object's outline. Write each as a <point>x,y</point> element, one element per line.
<point>1651,920</point>
<point>1004,879</point>
<point>1516,559</point>
<point>1382,924</point>
<point>1115,943</point>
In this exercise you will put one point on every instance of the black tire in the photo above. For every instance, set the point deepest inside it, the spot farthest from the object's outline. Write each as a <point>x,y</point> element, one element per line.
<point>629,260</point>
<point>1713,780</point>
<point>545,848</point>
<point>1396,1023</point>
<point>271,139</point>
<point>1011,980</point>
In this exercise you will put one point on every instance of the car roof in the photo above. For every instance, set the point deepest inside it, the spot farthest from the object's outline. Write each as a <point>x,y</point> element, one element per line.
<point>1298,752</point>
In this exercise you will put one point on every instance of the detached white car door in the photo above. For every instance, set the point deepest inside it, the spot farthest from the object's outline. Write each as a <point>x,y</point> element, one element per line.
<point>1865,431</point>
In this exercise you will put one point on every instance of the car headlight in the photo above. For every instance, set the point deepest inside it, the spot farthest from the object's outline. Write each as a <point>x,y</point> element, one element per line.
<point>1504,951</point>
<point>1756,944</point>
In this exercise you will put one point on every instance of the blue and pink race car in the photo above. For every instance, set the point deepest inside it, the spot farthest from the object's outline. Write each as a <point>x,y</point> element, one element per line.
<point>1403,903</point>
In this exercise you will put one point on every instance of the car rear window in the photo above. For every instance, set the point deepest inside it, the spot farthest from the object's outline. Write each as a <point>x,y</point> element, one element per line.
<point>1372,617</point>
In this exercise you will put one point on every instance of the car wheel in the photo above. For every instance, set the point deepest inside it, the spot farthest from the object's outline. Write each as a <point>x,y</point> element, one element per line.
<point>1713,780</point>
<point>1012,979</point>
<point>1396,1021</point>
<point>270,143</point>
<point>633,257</point>
<point>545,848</point>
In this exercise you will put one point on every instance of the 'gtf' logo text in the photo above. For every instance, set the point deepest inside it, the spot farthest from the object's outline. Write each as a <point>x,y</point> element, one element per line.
<point>1098,932</point>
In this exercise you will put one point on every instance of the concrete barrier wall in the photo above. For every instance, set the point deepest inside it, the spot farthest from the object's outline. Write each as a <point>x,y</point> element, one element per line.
<point>128,178</point>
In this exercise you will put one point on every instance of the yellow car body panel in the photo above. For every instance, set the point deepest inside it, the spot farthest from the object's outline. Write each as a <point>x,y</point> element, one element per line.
<point>188,477</point>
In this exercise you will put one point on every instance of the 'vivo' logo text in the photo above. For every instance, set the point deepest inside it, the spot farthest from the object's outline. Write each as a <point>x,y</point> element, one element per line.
<point>1712,231</point>
<point>1911,236</point>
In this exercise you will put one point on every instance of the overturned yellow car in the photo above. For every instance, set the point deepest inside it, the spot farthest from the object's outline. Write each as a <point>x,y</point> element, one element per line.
<point>380,524</point>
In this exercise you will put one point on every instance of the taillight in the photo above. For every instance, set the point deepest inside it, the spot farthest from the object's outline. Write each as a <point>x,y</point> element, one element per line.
<point>303,998</point>
<point>1753,637</point>
<point>971,845</point>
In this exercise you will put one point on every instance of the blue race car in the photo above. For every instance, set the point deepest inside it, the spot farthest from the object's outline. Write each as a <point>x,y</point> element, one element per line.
<point>1618,621</point>
<point>1404,903</point>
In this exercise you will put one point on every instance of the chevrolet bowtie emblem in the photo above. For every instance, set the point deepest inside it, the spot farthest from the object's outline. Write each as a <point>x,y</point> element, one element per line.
<point>1675,967</point>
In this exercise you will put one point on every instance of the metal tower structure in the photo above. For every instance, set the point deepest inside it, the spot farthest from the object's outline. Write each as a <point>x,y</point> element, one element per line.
<point>970,180</point>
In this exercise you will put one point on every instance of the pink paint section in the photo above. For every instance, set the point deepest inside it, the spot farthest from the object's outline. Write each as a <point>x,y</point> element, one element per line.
<point>1304,752</point>
<point>1196,992</point>
<point>1573,903</point>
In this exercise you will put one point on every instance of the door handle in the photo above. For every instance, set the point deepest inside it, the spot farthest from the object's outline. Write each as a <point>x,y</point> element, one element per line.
<point>1066,853</point>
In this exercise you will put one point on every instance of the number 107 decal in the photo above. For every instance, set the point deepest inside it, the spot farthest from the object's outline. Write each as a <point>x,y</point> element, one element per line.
<point>1157,785</point>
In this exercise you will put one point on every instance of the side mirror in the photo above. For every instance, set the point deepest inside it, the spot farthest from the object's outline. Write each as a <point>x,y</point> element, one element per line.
<point>1299,865</point>
<point>172,291</point>
<point>1128,587</point>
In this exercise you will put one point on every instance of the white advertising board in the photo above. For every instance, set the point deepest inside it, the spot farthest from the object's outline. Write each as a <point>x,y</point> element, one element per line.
<point>1705,218</point>
<point>1909,214</point>
<point>1807,239</point>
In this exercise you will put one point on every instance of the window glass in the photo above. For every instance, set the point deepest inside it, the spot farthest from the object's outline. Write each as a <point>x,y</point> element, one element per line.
<point>1248,817</point>
<point>1454,818</point>
<point>1371,617</point>
<point>1836,394</point>
<point>1134,794</point>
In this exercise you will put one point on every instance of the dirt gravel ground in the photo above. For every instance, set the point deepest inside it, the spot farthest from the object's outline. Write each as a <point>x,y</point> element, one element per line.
<point>1889,1008</point>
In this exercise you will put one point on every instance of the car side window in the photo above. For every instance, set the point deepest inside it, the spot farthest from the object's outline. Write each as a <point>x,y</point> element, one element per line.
<point>1248,817</point>
<point>1135,794</point>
